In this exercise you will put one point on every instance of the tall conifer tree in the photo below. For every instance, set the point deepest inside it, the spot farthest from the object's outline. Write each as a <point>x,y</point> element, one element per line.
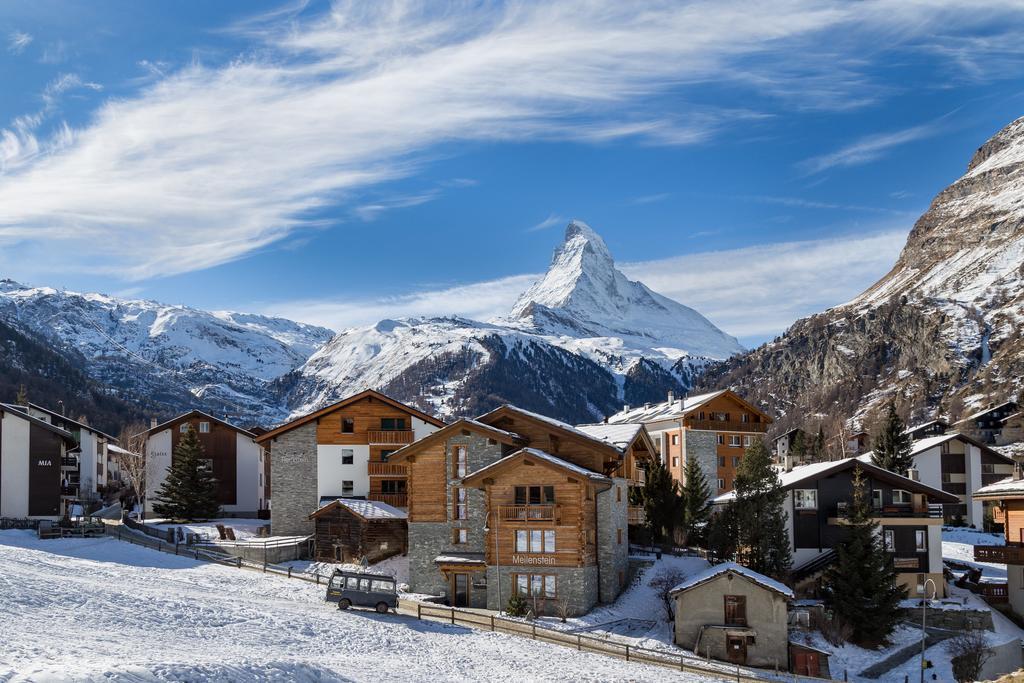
<point>892,445</point>
<point>190,490</point>
<point>762,542</point>
<point>860,587</point>
<point>660,496</point>
<point>694,497</point>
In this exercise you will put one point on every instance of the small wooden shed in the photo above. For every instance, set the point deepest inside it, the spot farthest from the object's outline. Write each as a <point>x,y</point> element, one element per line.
<point>351,529</point>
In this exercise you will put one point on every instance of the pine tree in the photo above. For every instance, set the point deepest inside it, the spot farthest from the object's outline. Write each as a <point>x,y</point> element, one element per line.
<point>818,450</point>
<point>860,587</point>
<point>693,503</point>
<point>22,398</point>
<point>722,533</point>
<point>189,491</point>
<point>660,497</point>
<point>762,540</point>
<point>798,447</point>
<point>892,445</point>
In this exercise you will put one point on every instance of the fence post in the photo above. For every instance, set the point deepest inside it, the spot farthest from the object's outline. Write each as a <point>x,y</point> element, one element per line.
<point>738,674</point>
<point>419,605</point>
<point>197,553</point>
<point>453,615</point>
<point>680,662</point>
<point>535,631</point>
<point>239,561</point>
<point>289,572</point>
<point>627,653</point>
<point>492,622</point>
<point>579,642</point>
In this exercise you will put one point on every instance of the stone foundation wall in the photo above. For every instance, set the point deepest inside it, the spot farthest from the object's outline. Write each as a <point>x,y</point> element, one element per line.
<point>577,585</point>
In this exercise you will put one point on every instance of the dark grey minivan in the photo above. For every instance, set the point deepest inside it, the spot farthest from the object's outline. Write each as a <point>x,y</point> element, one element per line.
<point>362,590</point>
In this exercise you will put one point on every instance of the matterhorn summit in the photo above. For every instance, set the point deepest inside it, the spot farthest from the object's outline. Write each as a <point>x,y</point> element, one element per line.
<point>583,294</point>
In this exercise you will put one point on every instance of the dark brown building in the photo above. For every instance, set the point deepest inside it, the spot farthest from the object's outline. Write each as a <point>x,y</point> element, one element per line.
<point>348,530</point>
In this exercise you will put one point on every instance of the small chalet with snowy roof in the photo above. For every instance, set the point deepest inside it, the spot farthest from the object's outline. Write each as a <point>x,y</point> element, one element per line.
<point>351,530</point>
<point>987,425</point>
<point>734,614</point>
<point>713,428</point>
<point>515,502</point>
<point>1007,498</point>
<point>927,429</point>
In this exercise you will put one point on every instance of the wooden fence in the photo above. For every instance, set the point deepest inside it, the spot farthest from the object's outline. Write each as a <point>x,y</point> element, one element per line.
<point>597,645</point>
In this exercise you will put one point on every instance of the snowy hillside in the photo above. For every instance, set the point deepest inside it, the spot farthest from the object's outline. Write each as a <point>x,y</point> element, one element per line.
<point>578,343</point>
<point>173,355</point>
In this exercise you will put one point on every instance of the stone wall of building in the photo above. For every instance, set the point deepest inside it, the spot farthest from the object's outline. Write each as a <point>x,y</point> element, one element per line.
<point>613,539</point>
<point>704,447</point>
<point>578,586</point>
<point>295,496</point>
<point>427,540</point>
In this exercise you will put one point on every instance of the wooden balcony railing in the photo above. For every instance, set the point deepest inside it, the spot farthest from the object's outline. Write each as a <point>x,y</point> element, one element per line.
<point>390,438</point>
<point>998,516</point>
<point>635,516</point>
<point>999,554</point>
<point>528,513</point>
<point>398,500</point>
<point>995,592</point>
<point>727,426</point>
<point>387,469</point>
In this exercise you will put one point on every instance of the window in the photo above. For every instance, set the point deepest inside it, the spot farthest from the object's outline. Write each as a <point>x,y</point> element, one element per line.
<point>348,425</point>
<point>618,536</point>
<point>988,468</point>
<point>459,496</point>
<point>744,417</point>
<point>702,416</point>
<point>183,428</point>
<point>261,479</point>
<point>347,456</point>
<point>460,536</point>
<point>735,461</point>
<point>721,461</point>
<point>748,440</point>
<point>535,495</point>
<point>535,540</point>
<point>946,477</point>
<point>876,499</point>
<point>900,497</point>
<point>347,488</point>
<point>805,499</point>
<point>675,439</point>
<point>734,441</point>
<point>675,461</point>
<point>721,484</point>
<point>921,541</point>
<point>890,540</point>
<point>204,427</point>
<point>721,439</point>
<point>534,585</point>
<point>736,610</point>
<point>392,424</point>
<point>392,486</point>
<point>385,454</point>
<point>207,465</point>
<point>459,462</point>
<point>618,494</point>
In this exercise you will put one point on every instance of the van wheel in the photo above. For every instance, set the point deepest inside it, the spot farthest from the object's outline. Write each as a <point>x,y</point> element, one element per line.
<point>344,603</point>
<point>382,608</point>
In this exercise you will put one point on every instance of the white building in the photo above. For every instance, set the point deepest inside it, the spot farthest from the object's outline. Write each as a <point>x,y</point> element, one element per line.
<point>235,457</point>
<point>38,478</point>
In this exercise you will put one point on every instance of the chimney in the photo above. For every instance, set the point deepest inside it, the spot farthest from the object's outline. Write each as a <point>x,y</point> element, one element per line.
<point>787,463</point>
<point>671,396</point>
<point>606,419</point>
<point>647,405</point>
<point>1018,473</point>
<point>153,422</point>
<point>913,474</point>
<point>625,407</point>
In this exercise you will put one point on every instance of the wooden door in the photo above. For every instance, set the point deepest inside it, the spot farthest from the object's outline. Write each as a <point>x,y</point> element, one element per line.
<point>806,663</point>
<point>736,649</point>
<point>460,590</point>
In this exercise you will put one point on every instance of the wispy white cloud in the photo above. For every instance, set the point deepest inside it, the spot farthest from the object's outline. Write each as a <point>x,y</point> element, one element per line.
<point>551,221</point>
<point>207,164</point>
<point>868,148</point>
<point>18,41</point>
<point>769,286</point>
<point>372,211</point>
<point>649,198</point>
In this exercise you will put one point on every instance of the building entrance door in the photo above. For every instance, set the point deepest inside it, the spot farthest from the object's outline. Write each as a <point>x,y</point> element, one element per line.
<point>460,590</point>
<point>736,649</point>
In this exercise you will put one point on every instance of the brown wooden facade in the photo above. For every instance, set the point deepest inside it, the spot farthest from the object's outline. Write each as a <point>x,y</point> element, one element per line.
<point>343,535</point>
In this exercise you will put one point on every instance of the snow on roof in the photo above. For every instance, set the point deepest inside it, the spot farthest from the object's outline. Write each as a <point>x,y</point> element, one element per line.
<point>726,567</point>
<point>117,449</point>
<point>484,425</point>
<point>550,420</point>
<point>542,455</point>
<point>1007,486</point>
<point>986,411</point>
<point>618,435</point>
<point>465,558</point>
<point>921,445</point>
<point>663,411</point>
<point>368,509</point>
<point>929,423</point>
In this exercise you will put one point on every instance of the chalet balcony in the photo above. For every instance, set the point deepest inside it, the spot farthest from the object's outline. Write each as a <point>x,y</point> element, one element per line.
<point>727,426</point>
<point>929,510</point>
<point>69,463</point>
<point>635,516</point>
<point>528,513</point>
<point>387,469</point>
<point>390,437</point>
<point>998,515</point>
<point>395,500</point>
<point>999,554</point>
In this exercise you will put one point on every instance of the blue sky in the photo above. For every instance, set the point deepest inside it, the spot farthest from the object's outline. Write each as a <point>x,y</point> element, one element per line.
<point>343,163</point>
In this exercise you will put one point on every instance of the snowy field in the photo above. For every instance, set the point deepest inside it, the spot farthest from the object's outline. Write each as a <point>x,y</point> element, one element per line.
<point>102,610</point>
<point>958,544</point>
<point>244,528</point>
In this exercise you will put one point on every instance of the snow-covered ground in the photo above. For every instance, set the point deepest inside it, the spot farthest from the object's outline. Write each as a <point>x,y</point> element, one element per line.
<point>99,609</point>
<point>958,544</point>
<point>244,528</point>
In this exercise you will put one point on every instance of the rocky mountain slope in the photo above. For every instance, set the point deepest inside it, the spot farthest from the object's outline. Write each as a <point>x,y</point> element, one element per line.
<point>165,358</point>
<point>577,344</point>
<point>941,331</point>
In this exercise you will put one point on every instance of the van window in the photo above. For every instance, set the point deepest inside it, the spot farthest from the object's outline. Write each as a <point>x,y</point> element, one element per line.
<point>383,587</point>
<point>352,583</point>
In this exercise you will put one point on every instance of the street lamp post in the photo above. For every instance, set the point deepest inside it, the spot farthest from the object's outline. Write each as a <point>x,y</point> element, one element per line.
<point>924,622</point>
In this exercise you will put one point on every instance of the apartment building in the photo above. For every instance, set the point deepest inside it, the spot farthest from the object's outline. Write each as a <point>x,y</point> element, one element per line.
<point>38,475</point>
<point>713,428</point>
<point>987,425</point>
<point>785,444</point>
<point>518,503</point>
<point>235,459</point>
<point>1007,499</point>
<point>341,451</point>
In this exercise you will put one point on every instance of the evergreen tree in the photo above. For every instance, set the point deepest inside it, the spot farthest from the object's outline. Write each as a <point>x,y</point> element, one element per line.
<point>892,446</point>
<point>798,446</point>
<point>661,502</point>
<point>860,587</point>
<point>22,398</point>
<point>722,533</point>
<point>189,491</point>
<point>694,508</point>
<point>762,541</point>
<point>818,450</point>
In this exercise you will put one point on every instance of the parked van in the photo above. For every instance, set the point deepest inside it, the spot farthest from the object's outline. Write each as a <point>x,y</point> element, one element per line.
<point>362,590</point>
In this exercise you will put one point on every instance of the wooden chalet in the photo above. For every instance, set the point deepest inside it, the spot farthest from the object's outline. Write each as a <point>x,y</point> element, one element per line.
<point>348,530</point>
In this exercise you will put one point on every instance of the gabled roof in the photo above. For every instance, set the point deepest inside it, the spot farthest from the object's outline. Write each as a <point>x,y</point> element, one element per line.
<point>114,448</point>
<point>794,430</point>
<point>921,426</point>
<point>725,568</point>
<point>1004,488</point>
<point>622,436</point>
<point>564,427</point>
<point>680,407</point>
<point>18,411</point>
<point>543,457</point>
<point>819,470</point>
<point>501,435</point>
<point>986,411</point>
<point>369,510</point>
<point>369,393</point>
<point>197,413</point>
<point>64,418</point>
<point>921,445</point>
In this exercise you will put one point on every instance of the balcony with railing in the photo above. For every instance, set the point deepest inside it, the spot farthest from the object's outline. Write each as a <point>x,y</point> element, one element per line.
<point>528,513</point>
<point>926,510</point>
<point>635,516</point>
<point>726,425</point>
<point>396,437</point>
<point>397,500</point>
<point>999,554</point>
<point>69,462</point>
<point>387,469</point>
